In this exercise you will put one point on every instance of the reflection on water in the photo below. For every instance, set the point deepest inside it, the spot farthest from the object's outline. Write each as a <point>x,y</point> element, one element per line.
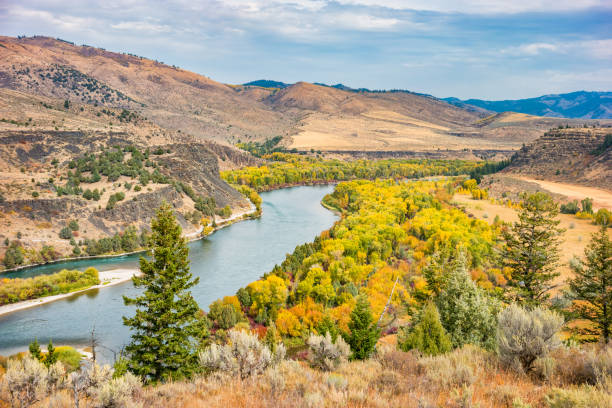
<point>226,261</point>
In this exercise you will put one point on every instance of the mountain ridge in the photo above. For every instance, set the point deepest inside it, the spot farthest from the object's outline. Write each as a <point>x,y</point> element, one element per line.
<point>576,105</point>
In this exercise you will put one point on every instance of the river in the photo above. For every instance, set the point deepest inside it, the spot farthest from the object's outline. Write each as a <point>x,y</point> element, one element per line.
<point>225,261</point>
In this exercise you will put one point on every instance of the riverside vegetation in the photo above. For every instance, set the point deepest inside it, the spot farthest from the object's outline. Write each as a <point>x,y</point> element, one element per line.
<point>65,281</point>
<point>405,301</point>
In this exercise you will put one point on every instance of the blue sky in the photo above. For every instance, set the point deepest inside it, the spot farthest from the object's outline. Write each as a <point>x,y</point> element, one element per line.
<point>488,49</point>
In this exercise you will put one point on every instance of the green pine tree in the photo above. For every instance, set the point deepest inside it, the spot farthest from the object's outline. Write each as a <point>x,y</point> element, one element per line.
<point>531,249</point>
<point>35,350</point>
<point>167,325</point>
<point>427,334</point>
<point>363,330</point>
<point>434,271</point>
<point>467,312</point>
<point>592,286</point>
<point>51,357</point>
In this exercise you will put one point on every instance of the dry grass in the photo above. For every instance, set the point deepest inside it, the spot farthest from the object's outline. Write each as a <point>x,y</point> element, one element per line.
<point>384,130</point>
<point>467,377</point>
<point>574,239</point>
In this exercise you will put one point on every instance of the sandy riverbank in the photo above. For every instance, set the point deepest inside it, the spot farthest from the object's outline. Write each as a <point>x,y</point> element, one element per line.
<point>107,278</point>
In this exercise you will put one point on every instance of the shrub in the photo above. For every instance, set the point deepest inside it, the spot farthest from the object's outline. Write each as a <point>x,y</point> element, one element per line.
<point>69,357</point>
<point>245,356</point>
<point>13,255</point>
<point>73,225</point>
<point>119,392</point>
<point>113,199</point>
<point>585,365</point>
<point>524,335</point>
<point>25,380</point>
<point>398,360</point>
<point>427,334</point>
<point>582,397</point>
<point>228,317</point>
<point>325,354</point>
<point>288,324</point>
<point>65,233</point>
<point>449,370</point>
<point>570,208</point>
<point>89,380</point>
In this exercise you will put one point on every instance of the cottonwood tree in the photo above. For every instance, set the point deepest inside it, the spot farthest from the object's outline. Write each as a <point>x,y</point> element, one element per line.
<point>531,249</point>
<point>592,286</point>
<point>167,324</point>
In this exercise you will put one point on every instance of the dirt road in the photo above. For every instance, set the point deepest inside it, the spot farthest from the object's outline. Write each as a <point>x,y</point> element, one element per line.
<point>601,198</point>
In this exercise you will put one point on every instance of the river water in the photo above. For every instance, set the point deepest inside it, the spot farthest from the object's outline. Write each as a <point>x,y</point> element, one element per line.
<point>227,260</point>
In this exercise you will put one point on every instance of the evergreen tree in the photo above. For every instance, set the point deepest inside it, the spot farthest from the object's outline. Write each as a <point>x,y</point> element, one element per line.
<point>531,249</point>
<point>467,312</point>
<point>167,323</point>
<point>426,334</point>
<point>434,271</point>
<point>592,286</point>
<point>35,350</point>
<point>363,331</point>
<point>51,357</point>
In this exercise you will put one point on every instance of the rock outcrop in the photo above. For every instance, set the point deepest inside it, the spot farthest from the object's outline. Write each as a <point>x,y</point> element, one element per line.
<point>575,155</point>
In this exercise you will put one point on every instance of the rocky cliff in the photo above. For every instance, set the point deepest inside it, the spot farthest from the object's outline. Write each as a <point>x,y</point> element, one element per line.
<point>575,155</point>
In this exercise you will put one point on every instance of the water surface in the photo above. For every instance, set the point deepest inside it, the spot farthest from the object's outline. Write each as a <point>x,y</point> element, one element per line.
<point>227,260</point>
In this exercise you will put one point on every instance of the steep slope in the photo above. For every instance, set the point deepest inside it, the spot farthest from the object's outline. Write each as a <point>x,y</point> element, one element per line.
<point>581,104</point>
<point>170,97</point>
<point>41,189</point>
<point>575,155</point>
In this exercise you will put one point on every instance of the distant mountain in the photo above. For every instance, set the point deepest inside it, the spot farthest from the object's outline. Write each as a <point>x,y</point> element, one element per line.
<point>266,83</point>
<point>579,105</point>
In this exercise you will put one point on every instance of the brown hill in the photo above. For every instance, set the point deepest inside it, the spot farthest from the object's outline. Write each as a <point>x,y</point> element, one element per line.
<point>311,116</point>
<point>173,98</point>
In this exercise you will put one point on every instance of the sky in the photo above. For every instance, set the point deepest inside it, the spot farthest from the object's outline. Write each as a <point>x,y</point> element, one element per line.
<point>488,49</point>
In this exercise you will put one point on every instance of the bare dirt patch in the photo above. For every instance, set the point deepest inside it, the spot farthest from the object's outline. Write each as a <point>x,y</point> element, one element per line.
<point>601,198</point>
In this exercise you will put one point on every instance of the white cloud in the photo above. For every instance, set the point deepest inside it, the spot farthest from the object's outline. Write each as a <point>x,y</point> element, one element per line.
<point>531,49</point>
<point>483,6</point>
<point>599,49</point>
<point>360,21</point>
<point>142,26</point>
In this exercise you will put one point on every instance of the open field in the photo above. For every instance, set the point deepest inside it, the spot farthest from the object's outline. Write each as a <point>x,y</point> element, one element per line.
<point>378,130</point>
<point>575,238</point>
